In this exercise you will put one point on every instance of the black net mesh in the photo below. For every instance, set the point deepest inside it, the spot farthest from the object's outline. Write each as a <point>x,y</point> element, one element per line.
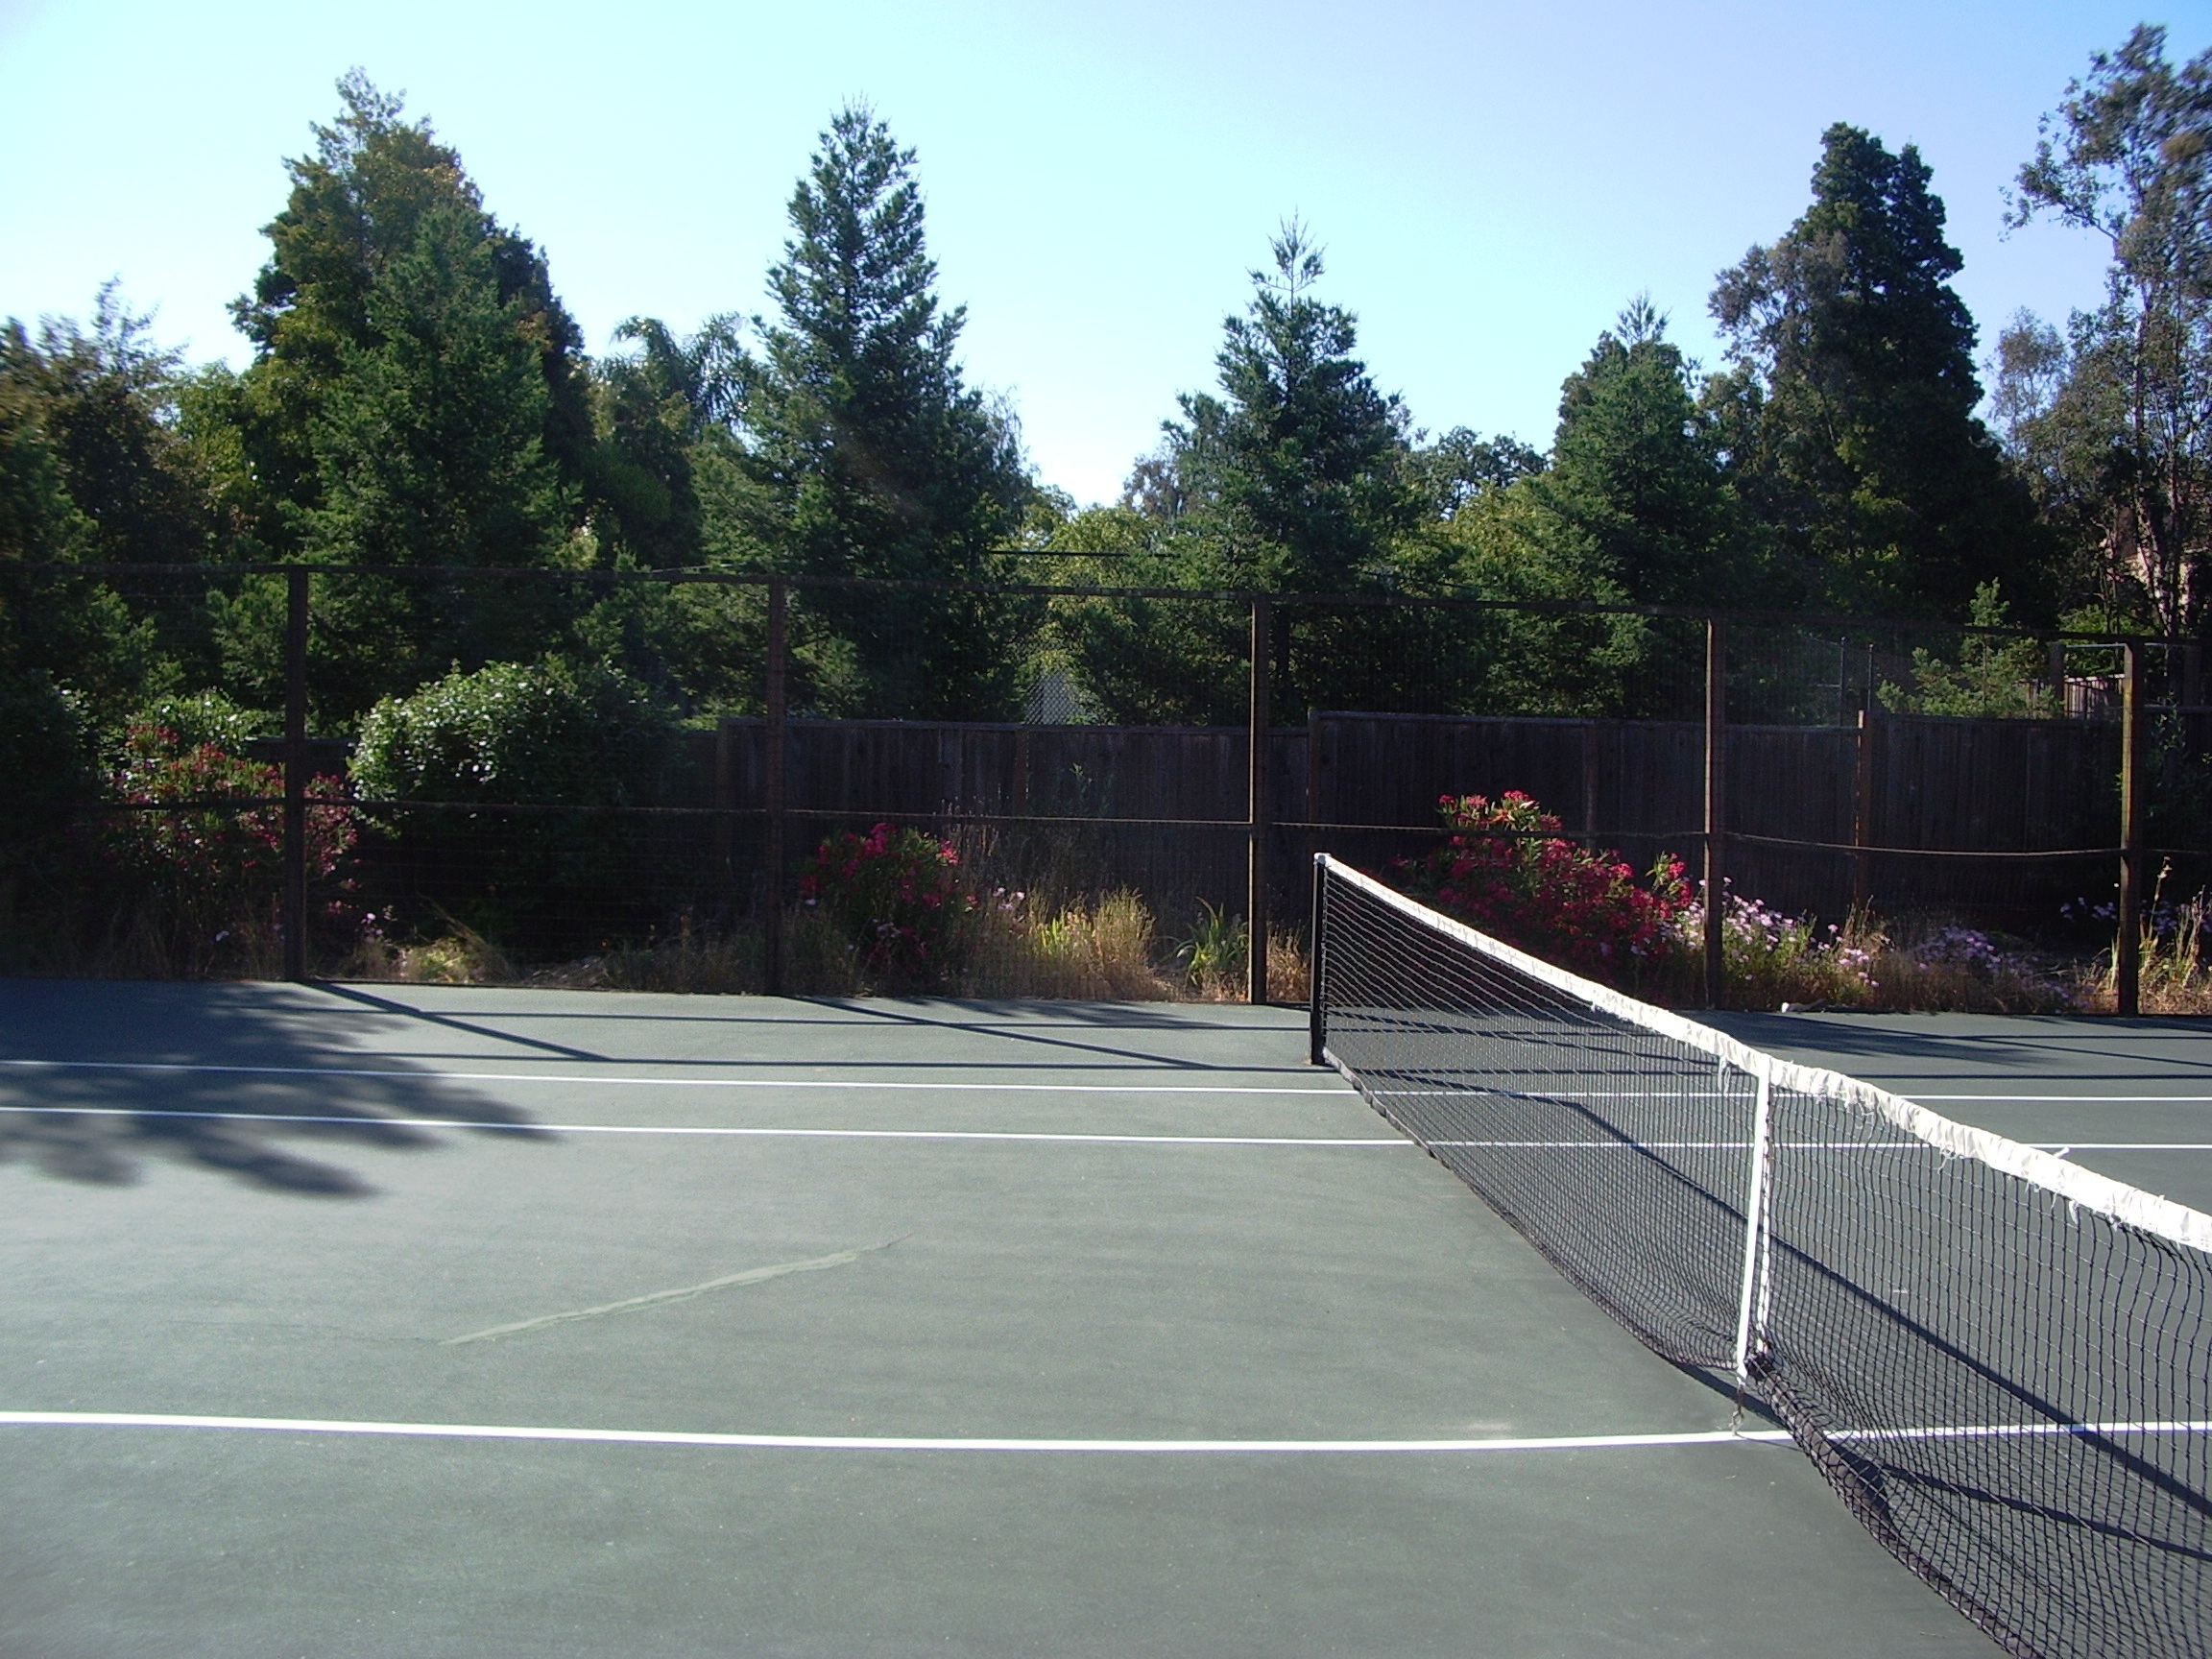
<point>2009,1381</point>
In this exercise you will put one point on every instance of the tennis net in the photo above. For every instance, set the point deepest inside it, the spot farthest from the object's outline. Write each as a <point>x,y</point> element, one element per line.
<point>2000,1360</point>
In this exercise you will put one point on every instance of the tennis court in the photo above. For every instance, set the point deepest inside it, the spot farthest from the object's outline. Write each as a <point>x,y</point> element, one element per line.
<point>431,1320</point>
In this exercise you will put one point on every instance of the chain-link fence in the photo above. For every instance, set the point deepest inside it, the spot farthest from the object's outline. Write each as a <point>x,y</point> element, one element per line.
<point>632,779</point>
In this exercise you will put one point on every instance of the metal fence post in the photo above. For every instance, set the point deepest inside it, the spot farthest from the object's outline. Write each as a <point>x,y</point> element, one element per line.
<point>1715,805</point>
<point>2128,948</point>
<point>1257,829</point>
<point>772,785</point>
<point>1863,771</point>
<point>1317,945</point>
<point>293,902</point>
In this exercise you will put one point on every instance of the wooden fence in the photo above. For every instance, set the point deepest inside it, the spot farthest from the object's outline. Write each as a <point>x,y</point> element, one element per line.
<point>1170,804</point>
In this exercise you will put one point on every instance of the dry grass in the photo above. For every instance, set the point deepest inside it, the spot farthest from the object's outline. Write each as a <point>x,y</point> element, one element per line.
<point>2173,977</point>
<point>1104,948</point>
<point>462,956</point>
<point>1100,950</point>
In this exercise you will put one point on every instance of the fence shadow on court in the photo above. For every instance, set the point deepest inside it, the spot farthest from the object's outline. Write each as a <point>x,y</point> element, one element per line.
<point>262,1083</point>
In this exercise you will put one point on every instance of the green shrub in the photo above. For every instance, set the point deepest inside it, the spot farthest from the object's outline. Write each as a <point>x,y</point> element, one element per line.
<point>548,732</point>
<point>468,768</point>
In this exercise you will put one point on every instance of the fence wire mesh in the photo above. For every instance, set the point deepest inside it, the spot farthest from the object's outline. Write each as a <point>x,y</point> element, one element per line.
<point>508,774</point>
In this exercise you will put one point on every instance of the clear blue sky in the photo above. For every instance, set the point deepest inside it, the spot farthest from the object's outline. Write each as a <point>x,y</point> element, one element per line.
<point>1492,181</point>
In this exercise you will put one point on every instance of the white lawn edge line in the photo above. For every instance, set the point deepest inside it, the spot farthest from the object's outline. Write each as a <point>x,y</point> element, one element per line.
<point>2128,1205</point>
<point>617,1082</point>
<point>875,1442</point>
<point>738,1133</point>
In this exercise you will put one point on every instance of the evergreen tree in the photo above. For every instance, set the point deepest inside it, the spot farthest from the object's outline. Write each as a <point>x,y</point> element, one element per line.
<point>874,457</point>
<point>1848,415</point>
<point>379,191</point>
<point>418,396</point>
<point>1641,503</point>
<point>1298,477</point>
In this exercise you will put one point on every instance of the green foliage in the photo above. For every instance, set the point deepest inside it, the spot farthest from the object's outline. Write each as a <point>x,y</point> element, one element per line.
<point>46,759</point>
<point>1637,488</point>
<point>551,733</point>
<point>104,400</point>
<point>874,456</point>
<point>2112,422</point>
<point>205,718</point>
<point>1848,413</point>
<point>546,733</point>
<point>1989,677</point>
<point>1297,478</point>
<point>416,397</point>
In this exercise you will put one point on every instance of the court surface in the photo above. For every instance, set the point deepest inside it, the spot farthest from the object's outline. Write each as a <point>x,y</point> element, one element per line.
<point>375,1320</point>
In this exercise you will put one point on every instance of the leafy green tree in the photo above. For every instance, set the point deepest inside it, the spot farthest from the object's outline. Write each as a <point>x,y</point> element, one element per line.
<point>656,408</point>
<point>380,190</point>
<point>1462,464</point>
<point>418,396</point>
<point>1988,677</point>
<point>106,399</point>
<point>1635,483</point>
<point>68,639</point>
<point>874,458</point>
<point>2113,419</point>
<point>1847,415</point>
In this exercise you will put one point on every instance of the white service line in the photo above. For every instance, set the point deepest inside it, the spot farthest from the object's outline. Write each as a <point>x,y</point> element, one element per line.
<point>534,1128</point>
<point>869,1442</point>
<point>597,1081</point>
<point>2075,1099</point>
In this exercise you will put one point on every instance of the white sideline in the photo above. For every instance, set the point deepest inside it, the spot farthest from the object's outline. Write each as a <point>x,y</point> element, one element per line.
<point>750,1134</point>
<point>596,1081</point>
<point>872,1442</point>
<point>936,1443</point>
<point>2082,1187</point>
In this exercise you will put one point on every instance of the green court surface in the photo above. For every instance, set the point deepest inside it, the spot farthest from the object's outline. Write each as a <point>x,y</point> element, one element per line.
<point>373,1320</point>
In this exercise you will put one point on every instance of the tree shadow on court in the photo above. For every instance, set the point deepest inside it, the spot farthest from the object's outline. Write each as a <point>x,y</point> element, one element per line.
<point>100,1079</point>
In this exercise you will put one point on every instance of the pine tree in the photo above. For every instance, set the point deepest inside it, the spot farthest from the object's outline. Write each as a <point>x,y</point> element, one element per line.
<point>1848,415</point>
<point>875,458</point>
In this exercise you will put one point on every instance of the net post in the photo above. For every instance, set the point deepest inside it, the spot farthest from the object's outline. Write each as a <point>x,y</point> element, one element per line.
<point>2128,948</point>
<point>1316,937</point>
<point>772,785</point>
<point>1716,802</point>
<point>1751,1305</point>
<point>293,899</point>
<point>1256,824</point>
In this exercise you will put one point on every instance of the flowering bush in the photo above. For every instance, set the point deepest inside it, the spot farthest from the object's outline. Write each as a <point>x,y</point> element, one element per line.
<point>185,832</point>
<point>894,895</point>
<point>1768,957</point>
<point>1506,869</point>
<point>1965,948</point>
<point>210,866</point>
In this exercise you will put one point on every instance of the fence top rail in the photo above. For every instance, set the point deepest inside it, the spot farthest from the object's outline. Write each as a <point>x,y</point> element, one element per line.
<point>684,575</point>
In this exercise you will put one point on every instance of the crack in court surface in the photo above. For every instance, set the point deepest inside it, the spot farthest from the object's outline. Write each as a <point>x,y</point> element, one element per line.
<point>682,1294</point>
